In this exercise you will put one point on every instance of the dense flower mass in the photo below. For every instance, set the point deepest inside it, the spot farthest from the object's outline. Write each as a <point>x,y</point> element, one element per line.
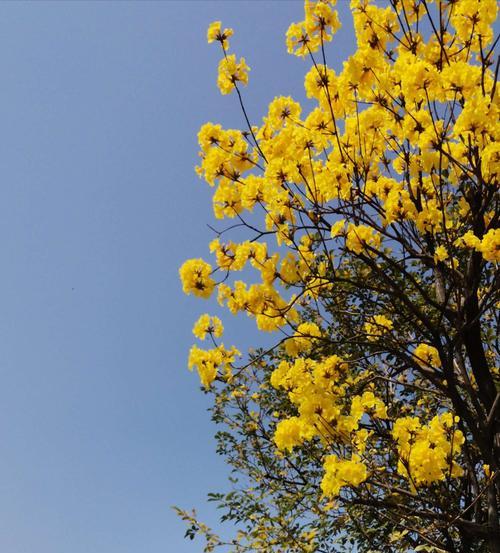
<point>342,472</point>
<point>321,22</point>
<point>428,453</point>
<point>195,276</point>
<point>371,253</point>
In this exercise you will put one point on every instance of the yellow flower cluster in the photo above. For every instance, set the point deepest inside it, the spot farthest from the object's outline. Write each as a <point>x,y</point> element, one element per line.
<point>337,228</point>
<point>225,157</point>
<point>291,146</point>
<point>282,110</point>
<point>377,326</point>
<point>195,277</point>
<point>231,72</point>
<point>478,14</point>
<point>316,388</point>
<point>208,325</point>
<point>342,472</point>
<point>319,391</point>
<point>320,24</point>
<point>233,257</point>
<point>207,362</point>
<point>369,403</point>
<point>427,356</point>
<point>292,432</point>
<point>441,254</point>
<point>489,246</point>
<point>373,25</point>
<point>362,239</point>
<point>427,453</point>
<point>261,301</point>
<point>215,33</point>
<point>303,339</point>
<point>383,157</point>
<point>477,120</point>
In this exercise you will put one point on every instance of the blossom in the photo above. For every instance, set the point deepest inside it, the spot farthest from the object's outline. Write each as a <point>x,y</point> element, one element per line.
<point>195,277</point>
<point>427,356</point>
<point>377,325</point>
<point>215,33</point>
<point>342,472</point>
<point>231,72</point>
<point>362,239</point>
<point>208,325</point>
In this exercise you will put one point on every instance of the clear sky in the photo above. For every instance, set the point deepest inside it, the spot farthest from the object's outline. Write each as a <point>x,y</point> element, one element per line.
<point>102,428</point>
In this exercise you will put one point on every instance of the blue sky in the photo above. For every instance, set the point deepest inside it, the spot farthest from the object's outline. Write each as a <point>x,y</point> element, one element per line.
<point>102,428</point>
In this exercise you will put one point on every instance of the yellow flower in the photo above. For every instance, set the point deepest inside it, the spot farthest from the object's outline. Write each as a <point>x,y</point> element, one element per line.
<point>290,433</point>
<point>303,339</point>
<point>368,403</point>
<point>207,362</point>
<point>283,109</point>
<point>377,326</point>
<point>208,325</point>
<point>490,245</point>
<point>215,32</point>
<point>297,40</point>
<point>231,72</point>
<point>427,452</point>
<point>427,356</point>
<point>342,472</point>
<point>320,83</point>
<point>337,228</point>
<point>361,238</point>
<point>469,240</point>
<point>195,277</point>
<point>440,254</point>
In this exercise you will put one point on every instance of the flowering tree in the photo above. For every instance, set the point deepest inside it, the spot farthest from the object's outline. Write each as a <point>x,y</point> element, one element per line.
<point>373,423</point>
